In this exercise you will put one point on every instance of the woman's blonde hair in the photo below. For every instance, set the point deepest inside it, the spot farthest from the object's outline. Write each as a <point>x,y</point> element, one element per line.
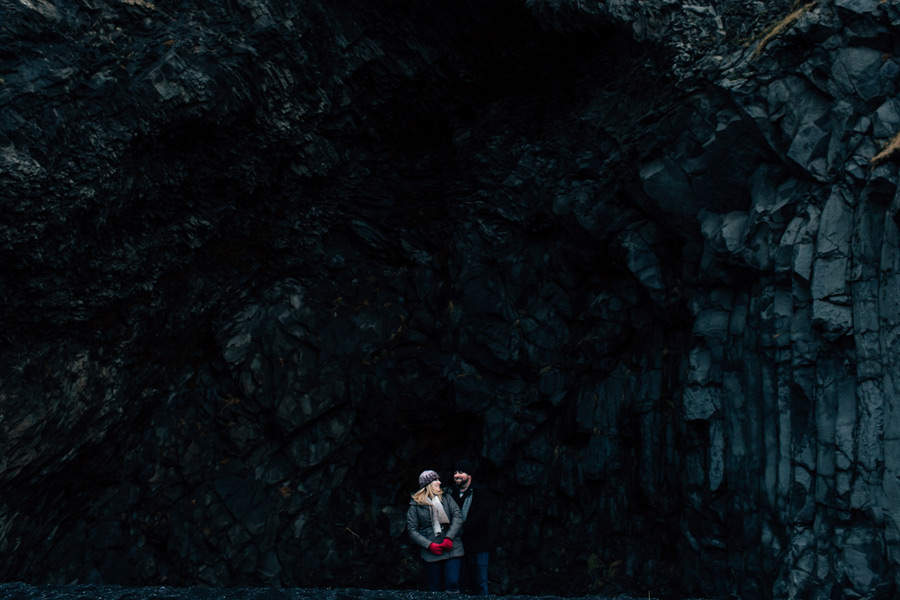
<point>425,495</point>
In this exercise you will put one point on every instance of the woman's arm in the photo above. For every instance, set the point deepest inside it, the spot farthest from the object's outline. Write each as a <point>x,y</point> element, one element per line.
<point>455,515</point>
<point>412,526</point>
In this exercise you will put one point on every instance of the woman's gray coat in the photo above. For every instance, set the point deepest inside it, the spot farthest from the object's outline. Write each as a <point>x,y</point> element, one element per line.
<point>418,524</point>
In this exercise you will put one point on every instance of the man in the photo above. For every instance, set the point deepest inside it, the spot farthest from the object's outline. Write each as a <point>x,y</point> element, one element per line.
<point>476,504</point>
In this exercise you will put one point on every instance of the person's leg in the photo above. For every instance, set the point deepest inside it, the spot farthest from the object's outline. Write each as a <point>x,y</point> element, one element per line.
<point>480,573</point>
<point>451,574</point>
<point>467,574</point>
<point>433,574</point>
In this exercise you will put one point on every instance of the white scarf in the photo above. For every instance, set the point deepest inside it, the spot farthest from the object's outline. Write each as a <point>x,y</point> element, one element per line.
<point>438,515</point>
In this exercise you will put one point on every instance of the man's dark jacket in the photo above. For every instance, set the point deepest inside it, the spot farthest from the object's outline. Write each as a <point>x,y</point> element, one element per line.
<point>476,533</point>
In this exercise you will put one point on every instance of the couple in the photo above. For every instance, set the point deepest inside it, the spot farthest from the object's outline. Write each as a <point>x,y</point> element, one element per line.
<point>436,522</point>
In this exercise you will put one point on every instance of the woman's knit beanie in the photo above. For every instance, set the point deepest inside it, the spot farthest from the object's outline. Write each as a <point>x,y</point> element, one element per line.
<point>427,477</point>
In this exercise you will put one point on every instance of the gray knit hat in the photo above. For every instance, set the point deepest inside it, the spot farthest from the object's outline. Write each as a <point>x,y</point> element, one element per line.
<point>427,477</point>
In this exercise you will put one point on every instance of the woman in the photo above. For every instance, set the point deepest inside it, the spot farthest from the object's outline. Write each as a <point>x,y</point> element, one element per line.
<point>434,522</point>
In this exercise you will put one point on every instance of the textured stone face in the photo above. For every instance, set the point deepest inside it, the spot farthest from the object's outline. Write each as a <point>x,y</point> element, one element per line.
<point>265,261</point>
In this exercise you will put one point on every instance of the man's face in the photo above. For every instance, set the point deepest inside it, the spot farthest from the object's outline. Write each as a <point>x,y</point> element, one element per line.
<point>461,479</point>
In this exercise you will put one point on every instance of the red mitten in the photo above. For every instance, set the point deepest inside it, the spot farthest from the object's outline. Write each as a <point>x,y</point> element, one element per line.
<point>435,548</point>
<point>447,544</point>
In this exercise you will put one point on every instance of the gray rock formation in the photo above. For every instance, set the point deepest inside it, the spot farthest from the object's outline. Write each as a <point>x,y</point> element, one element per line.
<point>264,261</point>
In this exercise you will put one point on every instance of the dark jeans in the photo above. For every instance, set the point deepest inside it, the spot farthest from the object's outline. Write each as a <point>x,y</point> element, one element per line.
<point>476,575</point>
<point>443,575</point>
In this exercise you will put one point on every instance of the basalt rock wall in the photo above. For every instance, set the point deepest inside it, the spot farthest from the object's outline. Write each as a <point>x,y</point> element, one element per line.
<point>264,261</point>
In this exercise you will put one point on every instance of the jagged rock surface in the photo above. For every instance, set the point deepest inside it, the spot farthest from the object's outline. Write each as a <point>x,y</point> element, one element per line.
<point>264,261</point>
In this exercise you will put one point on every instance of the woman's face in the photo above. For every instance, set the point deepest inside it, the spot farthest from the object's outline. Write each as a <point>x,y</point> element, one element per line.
<point>435,486</point>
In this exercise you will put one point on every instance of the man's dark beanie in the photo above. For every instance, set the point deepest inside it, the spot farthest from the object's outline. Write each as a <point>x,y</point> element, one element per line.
<point>464,466</point>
